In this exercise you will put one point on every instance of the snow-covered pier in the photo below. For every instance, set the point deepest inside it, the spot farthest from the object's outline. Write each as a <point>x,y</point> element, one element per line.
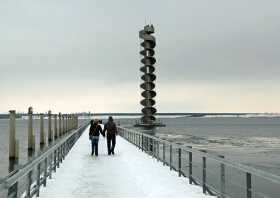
<point>129,173</point>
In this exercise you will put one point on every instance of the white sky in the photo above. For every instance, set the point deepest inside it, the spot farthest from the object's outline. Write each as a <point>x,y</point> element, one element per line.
<point>212,56</point>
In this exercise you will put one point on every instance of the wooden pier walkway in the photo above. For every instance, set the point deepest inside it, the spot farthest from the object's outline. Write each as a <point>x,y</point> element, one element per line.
<point>129,173</point>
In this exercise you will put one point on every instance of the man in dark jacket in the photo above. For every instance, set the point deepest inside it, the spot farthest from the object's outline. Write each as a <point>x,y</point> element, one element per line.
<point>94,132</point>
<point>111,129</point>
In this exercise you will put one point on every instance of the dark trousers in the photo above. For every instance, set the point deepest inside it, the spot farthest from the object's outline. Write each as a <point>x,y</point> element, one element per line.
<point>94,146</point>
<point>111,142</point>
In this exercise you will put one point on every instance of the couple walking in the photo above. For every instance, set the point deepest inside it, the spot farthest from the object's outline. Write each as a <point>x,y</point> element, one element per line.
<point>95,130</point>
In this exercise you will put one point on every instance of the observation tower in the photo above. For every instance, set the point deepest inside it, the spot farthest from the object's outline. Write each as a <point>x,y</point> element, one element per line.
<point>149,42</point>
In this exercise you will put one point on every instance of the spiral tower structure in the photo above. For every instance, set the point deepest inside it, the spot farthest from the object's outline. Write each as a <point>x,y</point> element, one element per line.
<point>148,69</point>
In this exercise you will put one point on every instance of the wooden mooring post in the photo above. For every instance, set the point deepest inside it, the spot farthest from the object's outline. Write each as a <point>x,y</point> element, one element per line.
<point>66,123</point>
<point>63,124</point>
<point>12,138</point>
<point>41,167</point>
<point>13,153</point>
<point>42,131</point>
<point>55,127</point>
<point>59,125</point>
<point>50,138</point>
<point>13,142</point>
<point>31,138</point>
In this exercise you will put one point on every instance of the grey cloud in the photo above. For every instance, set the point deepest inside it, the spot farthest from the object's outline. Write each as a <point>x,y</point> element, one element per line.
<point>97,41</point>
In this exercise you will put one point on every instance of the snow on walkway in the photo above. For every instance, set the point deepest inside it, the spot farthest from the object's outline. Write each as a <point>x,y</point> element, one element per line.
<point>129,173</point>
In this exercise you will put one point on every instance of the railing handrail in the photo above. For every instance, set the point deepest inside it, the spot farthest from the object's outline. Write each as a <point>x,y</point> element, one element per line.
<point>24,169</point>
<point>241,167</point>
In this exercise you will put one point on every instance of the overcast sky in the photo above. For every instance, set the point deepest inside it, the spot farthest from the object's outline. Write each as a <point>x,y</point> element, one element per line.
<point>68,55</point>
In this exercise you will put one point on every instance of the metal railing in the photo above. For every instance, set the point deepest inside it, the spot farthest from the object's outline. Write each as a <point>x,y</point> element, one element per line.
<point>217,176</point>
<point>27,179</point>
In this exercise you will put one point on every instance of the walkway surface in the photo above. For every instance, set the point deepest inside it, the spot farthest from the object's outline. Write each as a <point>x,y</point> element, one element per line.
<point>129,173</point>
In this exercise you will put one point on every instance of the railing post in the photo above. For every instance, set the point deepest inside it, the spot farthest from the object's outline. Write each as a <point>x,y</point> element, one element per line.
<point>179,162</point>
<point>142,138</point>
<point>157,143</point>
<point>204,172</point>
<point>50,127</point>
<point>249,185</point>
<point>190,166</point>
<point>42,132</point>
<point>67,147</point>
<point>153,148</point>
<point>170,156</point>
<point>148,144</point>
<point>55,126</point>
<point>136,140</point>
<point>45,171</point>
<point>54,161</point>
<point>29,182</point>
<point>58,157</point>
<point>30,130</point>
<point>50,166</point>
<point>223,179</point>
<point>132,138</point>
<point>38,180</point>
<point>61,153</point>
<point>139,141</point>
<point>163,154</point>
